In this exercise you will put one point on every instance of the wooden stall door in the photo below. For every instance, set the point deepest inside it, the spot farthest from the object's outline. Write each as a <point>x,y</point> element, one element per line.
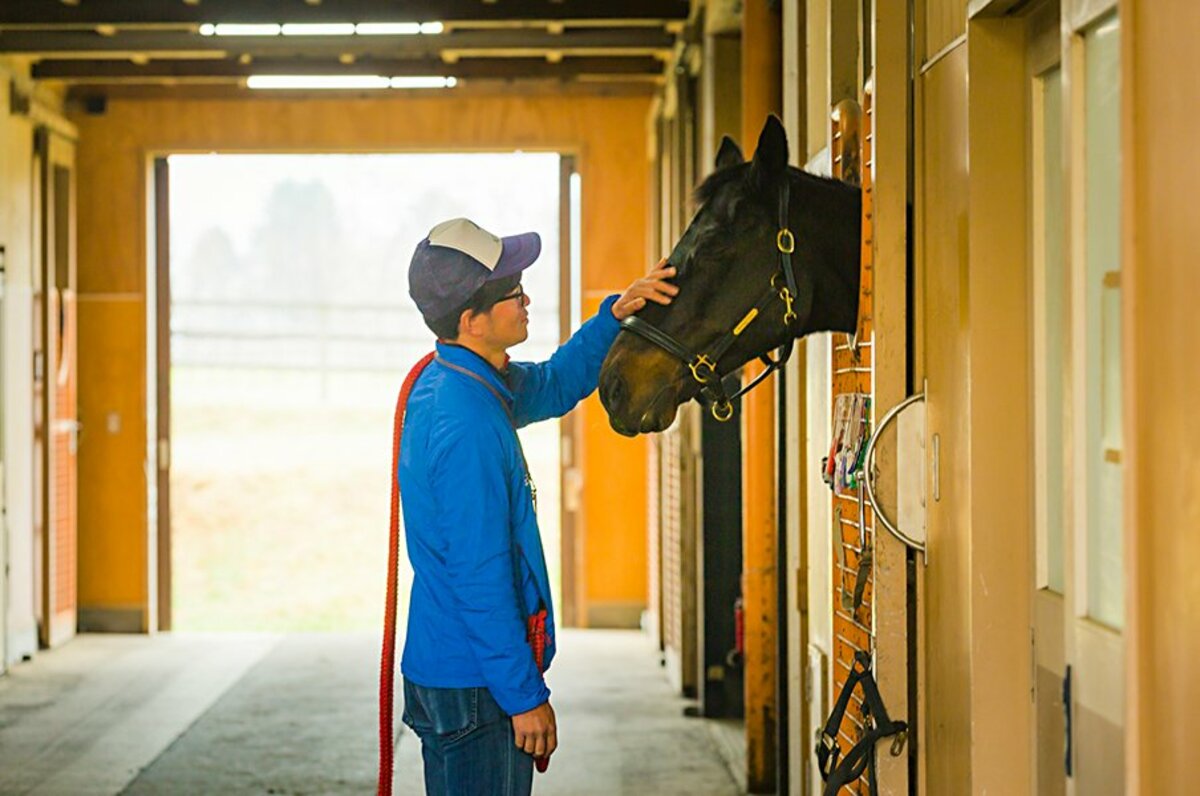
<point>1094,547</point>
<point>56,378</point>
<point>1048,359</point>
<point>944,723</point>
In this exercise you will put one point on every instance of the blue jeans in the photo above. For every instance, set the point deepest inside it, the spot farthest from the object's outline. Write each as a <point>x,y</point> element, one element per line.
<point>466,742</point>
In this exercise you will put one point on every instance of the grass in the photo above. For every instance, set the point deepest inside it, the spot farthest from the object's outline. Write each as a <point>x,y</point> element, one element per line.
<point>280,508</point>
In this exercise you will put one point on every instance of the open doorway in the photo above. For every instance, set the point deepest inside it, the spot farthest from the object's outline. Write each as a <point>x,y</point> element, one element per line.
<point>290,330</point>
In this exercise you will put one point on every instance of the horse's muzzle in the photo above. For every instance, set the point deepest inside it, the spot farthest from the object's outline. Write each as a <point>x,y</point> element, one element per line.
<point>639,389</point>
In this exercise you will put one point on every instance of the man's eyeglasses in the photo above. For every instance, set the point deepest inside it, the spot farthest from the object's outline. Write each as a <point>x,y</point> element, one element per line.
<point>519,295</point>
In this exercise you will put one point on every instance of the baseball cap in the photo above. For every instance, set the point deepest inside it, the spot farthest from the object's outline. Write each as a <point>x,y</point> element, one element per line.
<point>457,257</point>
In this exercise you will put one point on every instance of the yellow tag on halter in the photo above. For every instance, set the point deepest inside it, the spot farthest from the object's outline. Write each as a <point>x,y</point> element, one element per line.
<point>785,241</point>
<point>741,327</point>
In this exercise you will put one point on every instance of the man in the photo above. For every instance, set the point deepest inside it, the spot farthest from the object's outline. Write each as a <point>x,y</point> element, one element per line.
<point>473,691</point>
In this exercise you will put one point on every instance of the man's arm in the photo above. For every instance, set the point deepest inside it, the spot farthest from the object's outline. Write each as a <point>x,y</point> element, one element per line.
<point>552,388</point>
<point>470,483</point>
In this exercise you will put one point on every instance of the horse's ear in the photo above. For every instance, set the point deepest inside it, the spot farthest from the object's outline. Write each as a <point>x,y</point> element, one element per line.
<point>771,154</point>
<point>729,154</point>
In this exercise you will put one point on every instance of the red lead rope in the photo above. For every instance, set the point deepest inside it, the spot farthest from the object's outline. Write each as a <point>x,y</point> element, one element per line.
<point>535,632</point>
<point>387,663</point>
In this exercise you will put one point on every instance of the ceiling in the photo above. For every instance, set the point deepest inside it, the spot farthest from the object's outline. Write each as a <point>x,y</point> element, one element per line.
<point>113,47</point>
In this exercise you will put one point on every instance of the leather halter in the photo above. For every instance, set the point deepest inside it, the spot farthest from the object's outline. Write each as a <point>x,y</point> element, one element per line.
<point>704,366</point>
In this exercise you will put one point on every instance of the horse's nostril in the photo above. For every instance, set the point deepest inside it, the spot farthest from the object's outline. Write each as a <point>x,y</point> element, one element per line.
<point>615,390</point>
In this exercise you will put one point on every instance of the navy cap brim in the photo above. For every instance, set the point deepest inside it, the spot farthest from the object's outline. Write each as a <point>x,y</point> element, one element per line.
<point>518,252</point>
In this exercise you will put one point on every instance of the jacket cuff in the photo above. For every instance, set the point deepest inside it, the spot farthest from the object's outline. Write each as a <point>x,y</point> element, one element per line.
<point>514,703</point>
<point>605,316</point>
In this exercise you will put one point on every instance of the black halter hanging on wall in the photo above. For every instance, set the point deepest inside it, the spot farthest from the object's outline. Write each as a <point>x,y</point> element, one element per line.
<point>838,770</point>
<point>705,366</point>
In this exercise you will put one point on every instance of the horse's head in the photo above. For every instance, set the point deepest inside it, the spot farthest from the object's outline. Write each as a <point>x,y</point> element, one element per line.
<point>726,262</point>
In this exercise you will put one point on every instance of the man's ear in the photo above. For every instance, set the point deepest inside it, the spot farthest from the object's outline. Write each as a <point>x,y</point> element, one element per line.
<point>465,323</point>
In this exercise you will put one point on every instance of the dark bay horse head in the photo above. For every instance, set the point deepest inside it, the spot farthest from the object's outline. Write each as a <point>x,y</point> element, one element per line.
<point>726,262</point>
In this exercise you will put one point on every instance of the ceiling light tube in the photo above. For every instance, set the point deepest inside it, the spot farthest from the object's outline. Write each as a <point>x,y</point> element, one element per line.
<point>318,29</point>
<point>387,28</point>
<point>317,82</point>
<point>423,81</point>
<point>235,29</point>
<point>432,28</point>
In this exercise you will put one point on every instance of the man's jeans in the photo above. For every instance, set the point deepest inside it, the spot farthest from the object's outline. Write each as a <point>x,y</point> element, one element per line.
<point>467,743</point>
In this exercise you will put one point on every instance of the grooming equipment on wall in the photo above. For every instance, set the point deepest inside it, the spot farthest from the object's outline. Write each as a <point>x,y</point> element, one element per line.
<point>842,467</point>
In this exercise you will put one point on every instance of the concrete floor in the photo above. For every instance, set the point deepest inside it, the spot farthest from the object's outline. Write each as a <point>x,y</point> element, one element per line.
<point>295,714</point>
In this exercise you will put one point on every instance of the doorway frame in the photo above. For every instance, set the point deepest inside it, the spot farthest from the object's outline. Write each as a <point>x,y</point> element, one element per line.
<point>158,400</point>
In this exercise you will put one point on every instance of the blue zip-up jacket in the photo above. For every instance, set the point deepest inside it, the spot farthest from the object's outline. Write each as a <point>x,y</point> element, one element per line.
<point>469,521</point>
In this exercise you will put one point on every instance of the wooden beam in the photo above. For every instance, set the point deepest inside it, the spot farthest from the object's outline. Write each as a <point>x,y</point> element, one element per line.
<point>79,97</point>
<point>79,71</point>
<point>143,12</point>
<point>644,40</point>
<point>762,93</point>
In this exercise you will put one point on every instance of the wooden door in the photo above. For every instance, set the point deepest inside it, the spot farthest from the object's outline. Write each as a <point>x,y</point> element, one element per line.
<point>944,725</point>
<point>1094,548</point>
<point>57,424</point>
<point>1048,360</point>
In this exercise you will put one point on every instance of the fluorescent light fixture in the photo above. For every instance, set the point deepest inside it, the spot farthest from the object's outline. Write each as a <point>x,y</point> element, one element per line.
<point>324,29</point>
<point>318,29</point>
<point>317,81</point>
<point>230,29</point>
<point>387,28</point>
<point>423,81</point>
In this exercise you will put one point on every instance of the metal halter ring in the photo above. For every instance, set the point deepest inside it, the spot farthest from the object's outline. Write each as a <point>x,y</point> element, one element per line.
<point>721,412</point>
<point>702,361</point>
<point>785,242</point>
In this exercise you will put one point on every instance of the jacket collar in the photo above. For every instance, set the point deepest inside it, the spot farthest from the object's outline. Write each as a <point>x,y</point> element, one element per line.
<point>466,358</point>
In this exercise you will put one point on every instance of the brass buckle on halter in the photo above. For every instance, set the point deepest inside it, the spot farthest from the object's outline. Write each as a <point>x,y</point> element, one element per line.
<point>789,314</point>
<point>722,412</point>
<point>702,361</point>
<point>785,241</point>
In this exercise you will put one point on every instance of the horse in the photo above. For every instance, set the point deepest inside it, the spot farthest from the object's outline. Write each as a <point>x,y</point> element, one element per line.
<point>771,255</point>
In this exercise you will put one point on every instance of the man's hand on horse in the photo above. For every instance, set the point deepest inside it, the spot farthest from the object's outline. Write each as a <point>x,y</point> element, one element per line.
<point>535,732</point>
<point>651,287</point>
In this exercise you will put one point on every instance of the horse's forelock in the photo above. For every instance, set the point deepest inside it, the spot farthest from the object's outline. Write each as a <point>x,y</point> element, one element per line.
<point>718,179</point>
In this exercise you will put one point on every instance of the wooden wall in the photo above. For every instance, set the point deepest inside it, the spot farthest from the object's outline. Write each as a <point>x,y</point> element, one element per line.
<point>17,619</point>
<point>607,135</point>
<point>1160,168</point>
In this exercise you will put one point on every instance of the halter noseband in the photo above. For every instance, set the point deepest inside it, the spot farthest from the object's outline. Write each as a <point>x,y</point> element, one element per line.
<point>704,365</point>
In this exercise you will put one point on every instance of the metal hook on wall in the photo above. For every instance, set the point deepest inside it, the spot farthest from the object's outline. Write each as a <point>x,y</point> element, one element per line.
<point>869,480</point>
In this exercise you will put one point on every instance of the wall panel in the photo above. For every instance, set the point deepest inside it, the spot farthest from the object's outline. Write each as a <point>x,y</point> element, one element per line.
<point>607,134</point>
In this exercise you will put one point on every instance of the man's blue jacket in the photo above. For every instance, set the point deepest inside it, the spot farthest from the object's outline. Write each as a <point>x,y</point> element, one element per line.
<point>469,520</point>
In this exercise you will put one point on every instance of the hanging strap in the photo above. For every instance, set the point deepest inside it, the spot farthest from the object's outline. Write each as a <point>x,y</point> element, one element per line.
<point>838,771</point>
